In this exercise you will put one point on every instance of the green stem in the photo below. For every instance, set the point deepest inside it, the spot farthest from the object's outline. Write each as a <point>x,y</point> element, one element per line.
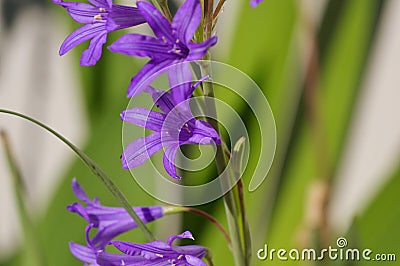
<point>230,202</point>
<point>118,195</point>
<point>237,166</point>
<point>164,7</point>
<point>209,258</point>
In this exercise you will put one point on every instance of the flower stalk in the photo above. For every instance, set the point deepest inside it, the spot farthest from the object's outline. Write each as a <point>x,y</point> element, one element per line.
<point>165,9</point>
<point>178,209</point>
<point>231,197</point>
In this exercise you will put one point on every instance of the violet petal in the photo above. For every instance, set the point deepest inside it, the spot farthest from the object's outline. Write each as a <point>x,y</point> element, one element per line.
<point>143,46</point>
<point>93,53</point>
<point>144,118</point>
<point>169,160</point>
<point>159,24</point>
<point>85,254</point>
<point>198,50</point>
<point>80,35</point>
<point>140,150</point>
<point>180,80</point>
<point>204,133</point>
<point>187,20</point>
<point>145,76</point>
<point>122,17</point>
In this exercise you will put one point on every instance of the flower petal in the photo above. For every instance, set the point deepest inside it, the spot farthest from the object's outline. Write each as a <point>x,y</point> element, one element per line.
<point>160,25</point>
<point>143,46</point>
<point>121,17</point>
<point>150,251</point>
<point>85,254</point>
<point>184,235</point>
<point>180,80</point>
<point>93,53</point>
<point>194,261</point>
<point>198,50</point>
<point>109,259</point>
<point>204,133</point>
<point>101,3</point>
<point>146,75</point>
<point>80,192</point>
<point>162,99</point>
<point>169,160</point>
<point>187,20</point>
<point>80,12</point>
<point>80,35</point>
<point>138,151</point>
<point>144,118</point>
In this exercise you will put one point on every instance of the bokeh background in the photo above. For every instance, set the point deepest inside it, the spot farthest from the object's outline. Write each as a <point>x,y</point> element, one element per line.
<point>330,70</point>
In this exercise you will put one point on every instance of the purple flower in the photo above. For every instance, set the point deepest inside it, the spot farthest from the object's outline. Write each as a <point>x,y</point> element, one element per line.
<point>110,221</point>
<point>172,43</point>
<point>152,253</point>
<point>100,18</point>
<point>255,3</point>
<point>173,128</point>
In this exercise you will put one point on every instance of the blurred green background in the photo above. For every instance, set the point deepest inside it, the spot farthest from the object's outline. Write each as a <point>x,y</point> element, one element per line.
<point>313,60</point>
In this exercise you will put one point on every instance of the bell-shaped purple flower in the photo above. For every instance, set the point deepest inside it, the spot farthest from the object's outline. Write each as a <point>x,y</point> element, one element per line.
<point>172,44</point>
<point>174,127</point>
<point>152,253</point>
<point>100,17</point>
<point>110,221</point>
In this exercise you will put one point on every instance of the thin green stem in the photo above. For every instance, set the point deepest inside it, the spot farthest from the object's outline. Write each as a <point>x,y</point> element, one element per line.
<point>209,258</point>
<point>208,17</point>
<point>237,166</point>
<point>218,9</point>
<point>230,201</point>
<point>178,209</point>
<point>118,195</point>
<point>211,219</point>
<point>164,7</point>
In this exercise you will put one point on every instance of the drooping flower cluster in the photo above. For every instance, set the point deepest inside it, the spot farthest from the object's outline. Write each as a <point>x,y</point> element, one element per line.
<point>111,222</point>
<point>173,44</point>
<point>174,127</point>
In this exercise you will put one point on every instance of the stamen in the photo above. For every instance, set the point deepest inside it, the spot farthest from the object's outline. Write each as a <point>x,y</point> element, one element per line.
<point>187,128</point>
<point>160,255</point>
<point>98,17</point>
<point>102,9</point>
<point>180,256</point>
